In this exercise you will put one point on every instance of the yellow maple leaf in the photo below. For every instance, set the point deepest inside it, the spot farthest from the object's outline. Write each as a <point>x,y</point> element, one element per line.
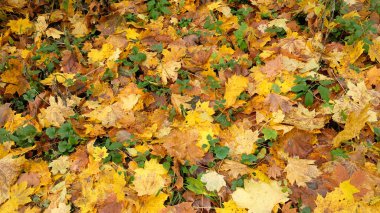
<point>235,85</point>
<point>15,78</point>
<point>152,203</point>
<point>54,33</point>
<point>202,115</point>
<point>63,78</point>
<point>99,56</point>
<point>354,51</point>
<point>243,140</point>
<point>374,50</point>
<point>57,112</point>
<point>20,26</point>
<point>355,123</point>
<point>132,34</point>
<point>259,197</point>
<point>169,71</point>
<point>300,171</point>
<point>41,24</point>
<point>213,181</point>
<point>80,28</point>
<point>150,179</point>
<point>10,169</point>
<point>230,207</point>
<point>339,200</point>
<point>60,165</point>
<point>19,196</point>
<point>99,153</point>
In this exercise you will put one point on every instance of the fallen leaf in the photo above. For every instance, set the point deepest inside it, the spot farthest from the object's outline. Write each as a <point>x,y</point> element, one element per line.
<point>259,197</point>
<point>234,86</point>
<point>54,33</point>
<point>60,165</point>
<point>355,123</point>
<point>20,26</point>
<point>213,181</point>
<point>301,171</point>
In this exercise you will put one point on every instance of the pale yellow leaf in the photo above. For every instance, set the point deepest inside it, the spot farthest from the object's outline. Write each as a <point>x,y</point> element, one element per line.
<point>259,197</point>
<point>355,123</point>
<point>54,33</point>
<point>213,181</point>
<point>301,171</point>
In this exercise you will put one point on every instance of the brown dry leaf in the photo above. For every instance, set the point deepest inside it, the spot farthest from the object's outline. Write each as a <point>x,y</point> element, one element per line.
<point>273,67</point>
<point>274,171</point>
<point>298,142</point>
<point>182,145</point>
<point>234,169</point>
<point>178,100</point>
<point>304,119</point>
<point>184,207</point>
<point>57,113</point>
<point>276,102</point>
<point>355,123</point>
<point>10,169</point>
<point>301,171</point>
<point>32,178</point>
<point>5,111</point>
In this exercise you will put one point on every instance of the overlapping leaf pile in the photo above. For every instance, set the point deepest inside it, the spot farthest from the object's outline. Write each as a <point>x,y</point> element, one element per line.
<point>190,106</point>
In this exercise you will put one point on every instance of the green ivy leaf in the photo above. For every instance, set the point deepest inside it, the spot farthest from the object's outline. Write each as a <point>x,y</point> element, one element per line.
<point>221,152</point>
<point>269,134</point>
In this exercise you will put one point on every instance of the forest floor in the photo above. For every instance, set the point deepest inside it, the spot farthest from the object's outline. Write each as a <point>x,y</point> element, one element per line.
<point>190,106</point>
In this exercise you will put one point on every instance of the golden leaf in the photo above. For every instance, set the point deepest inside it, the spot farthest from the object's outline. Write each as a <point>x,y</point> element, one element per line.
<point>230,207</point>
<point>152,203</point>
<point>18,196</point>
<point>57,112</point>
<point>354,124</point>
<point>234,86</point>
<point>60,165</point>
<point>339,200</point>
<point>10,169</point>
<point>301,171</point>
<point>150,179</point>
<point>259,197</point>
<point>169,71</point>
<point>54,33</point>
<point>20,26</point>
